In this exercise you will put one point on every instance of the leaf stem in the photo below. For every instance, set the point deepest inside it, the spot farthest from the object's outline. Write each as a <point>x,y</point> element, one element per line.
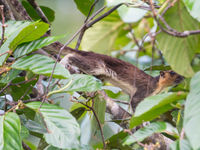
<point>61,89</point>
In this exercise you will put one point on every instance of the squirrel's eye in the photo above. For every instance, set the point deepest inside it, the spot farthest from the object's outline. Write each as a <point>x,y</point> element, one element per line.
<point>172,73</point>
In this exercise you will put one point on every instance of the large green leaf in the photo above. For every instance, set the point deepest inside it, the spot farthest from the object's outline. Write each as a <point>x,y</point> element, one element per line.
<point>79,82</point>
<point>182,144</point>
<point>32,32</point>
<point>36,125</point>
<point>192,111</point>
<point>29,47</point>
<point>179,52</point>
<point>145,132</point>
<point>102,36</point>
<point>10,128</point>
<point>84,5</point>
<point>63,130</point>
<point>193,7</point>
<point>40,64</point>
<point>13,26</point>
<point>154,106</point>
<point>14,32</point>
<point>82,82</point>
<point>25,33</point>
<point>126,13</point>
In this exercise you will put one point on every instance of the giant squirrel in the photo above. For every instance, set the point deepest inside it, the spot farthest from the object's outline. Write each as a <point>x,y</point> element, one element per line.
<point>133,81</point>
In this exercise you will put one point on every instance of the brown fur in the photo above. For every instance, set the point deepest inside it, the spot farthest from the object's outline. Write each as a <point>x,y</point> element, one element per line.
<point>129,78</point>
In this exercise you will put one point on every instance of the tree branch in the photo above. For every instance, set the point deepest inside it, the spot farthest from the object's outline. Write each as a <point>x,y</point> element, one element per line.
<point>83,30</point>
<point>2,24</point>
<point>38,10</point>
<point>168,29</point>
<point>18,11</point>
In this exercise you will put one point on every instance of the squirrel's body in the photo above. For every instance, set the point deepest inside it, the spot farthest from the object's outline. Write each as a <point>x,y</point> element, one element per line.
<point>133,81</point>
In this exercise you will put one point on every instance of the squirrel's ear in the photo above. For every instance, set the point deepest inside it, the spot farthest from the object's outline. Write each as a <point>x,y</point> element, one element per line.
<point>162,73</point>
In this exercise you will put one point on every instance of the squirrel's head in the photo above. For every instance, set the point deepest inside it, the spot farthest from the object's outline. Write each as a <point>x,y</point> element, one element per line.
<point>169,78</point>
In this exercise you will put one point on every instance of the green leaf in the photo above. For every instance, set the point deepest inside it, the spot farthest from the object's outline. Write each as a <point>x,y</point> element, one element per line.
<point>100,109</point>
<point>24,132</point>
<point>84,83</point>
<point>12,74</point>
<point>153,106</point>
<point>32,32</point>
<point>84,5</point>
<point>182,144</point>
<point>35,127</point>
<point>10,128</point>
<point>63,130</point>
<point>40,64</point>
<point>115,142</point>
<point>13,26</point>
<point>78,112</point>
<point>191,114</point>
<point>22,89</point>
<point>108,31</point>
<point>145,132</point>
<point>29,47</point>
<point>116,2</point>
<point>5,47</point>
<point>193,7</point>
<point>126,14</point>
<point>179,52</point>
<point>49,13</point>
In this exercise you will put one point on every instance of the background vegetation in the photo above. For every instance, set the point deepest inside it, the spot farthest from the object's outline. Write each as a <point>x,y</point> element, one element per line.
<point>43,106</point>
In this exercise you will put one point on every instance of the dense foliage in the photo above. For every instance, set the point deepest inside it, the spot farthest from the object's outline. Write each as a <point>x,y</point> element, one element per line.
<point>66,111</point>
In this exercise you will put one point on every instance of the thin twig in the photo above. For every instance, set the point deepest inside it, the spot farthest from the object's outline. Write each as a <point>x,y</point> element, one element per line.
<point>135,39</point>
<point>3,24</point>
<point>122,102</point>
<point>25,81</point>
<point>98,121</point>
<point>83,30</point>
<point>91,8</point>
<point>72,38</point>
<point>13,84</point>
<point>170,30</point>
<point>140,48</point>
<point>38,10</point>
<point>25,146</point>
<point>153,40</point>
<point>95,21</point>
<point>5,87</point>
<point>104,15</point>
<point>7,52</point>
<point>69,41</point>
<point>26,101</point>
<point>5,106</point>
<point>26,92</point>
<point>168,7</point>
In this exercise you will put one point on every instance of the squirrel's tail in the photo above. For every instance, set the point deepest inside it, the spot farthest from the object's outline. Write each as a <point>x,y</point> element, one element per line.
<point>55,47</point>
